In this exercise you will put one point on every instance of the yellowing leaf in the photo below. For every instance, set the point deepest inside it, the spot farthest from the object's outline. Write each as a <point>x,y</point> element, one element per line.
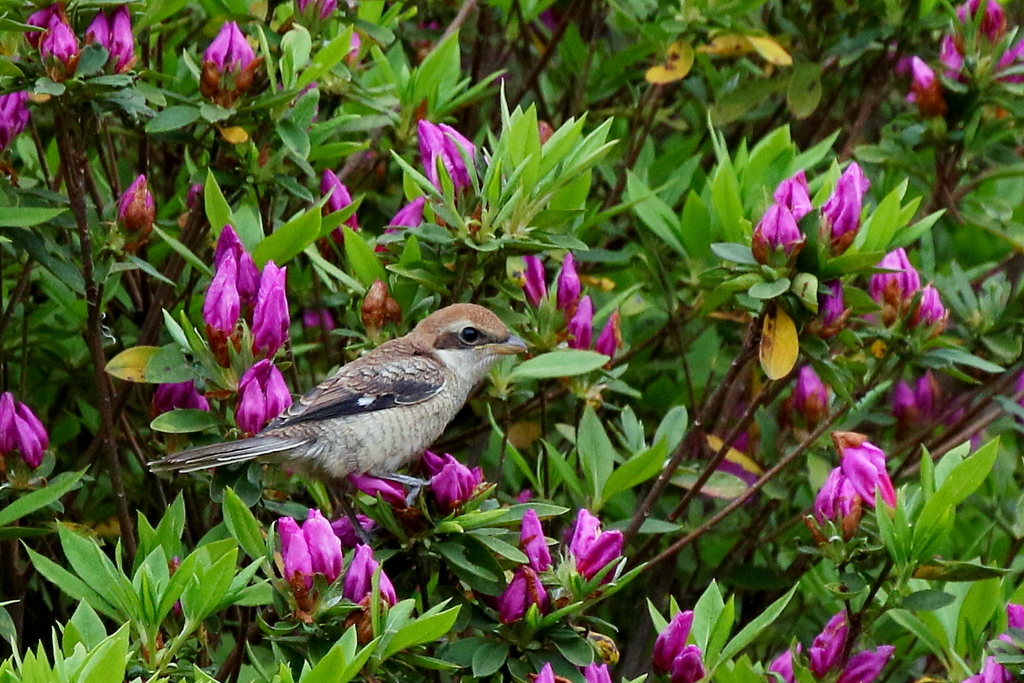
<point>878,349</point>
<point>678,62</point>
<point>236,135</point>
<point>727,45</point>
<point>780,344</point>
<point>130,364</point>
<point>768,48</point>
<point>735,456</point>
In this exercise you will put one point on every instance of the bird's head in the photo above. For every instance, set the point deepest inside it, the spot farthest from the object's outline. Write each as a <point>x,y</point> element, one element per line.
<point>468,338</point>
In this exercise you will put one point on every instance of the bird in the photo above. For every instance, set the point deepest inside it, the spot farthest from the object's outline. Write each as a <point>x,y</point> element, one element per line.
<point>379,412</point>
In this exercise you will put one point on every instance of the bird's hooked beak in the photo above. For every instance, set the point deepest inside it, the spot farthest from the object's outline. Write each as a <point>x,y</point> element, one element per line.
<point>513,344</point>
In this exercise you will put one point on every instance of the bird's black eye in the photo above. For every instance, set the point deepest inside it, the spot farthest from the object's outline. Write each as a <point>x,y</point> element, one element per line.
<point>469,335</point>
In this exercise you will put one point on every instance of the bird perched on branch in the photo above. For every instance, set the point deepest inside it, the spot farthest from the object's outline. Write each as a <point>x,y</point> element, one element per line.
<point>380,411</point>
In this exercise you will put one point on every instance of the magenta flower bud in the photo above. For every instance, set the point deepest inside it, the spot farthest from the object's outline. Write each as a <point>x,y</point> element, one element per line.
<point>318,318</point>
<point>324,546</point>
<point>926,394</point>
<point>951,57</point>
<point>593,549</point>
<point>319,8</point>
<point>99,31</point>
<point>168,397</point>
<point>21,430</point>
<point>992,24</point>
<point>671,642</point>
<point>270,318</point>
<point>836,498</point>
<point>221,306</point>
<point>841,212</point>
<point>904,404</point>
<point>533,543</point>
<point>229,51</point>
<point>40,18</point>
<point>810,395</point>
<point>434,463</point>
<point>894,290</point>
<point>581,325</point>
<point>13,116</point>
<point>930,310</point>
<point>523,590</point>
<point>195,194</point>
<point>391,492</point>
<point>1015,615</point>
<point>136,210</point>
<point>832,308</point>
<point>546,675</point>
<point>444,143</point>
<point>249,281</point>
<point>346,533</point>
<point>59,49</point>
<point>410,215</point>
<point>524,496</point>
<point>263,395</point>
<point>776,232</point>
<point>596,673</point>
<point>298,563</point>
<point>827,649</point>
<point>794,195</point>
<point>688,666</point>
<point>454,484</point>
<point>610,339</point>
<point>534,283</point>
<point>227,243</point>
<point>122,42</point>
<point>339,197</point>
<point>783,665</point>
<point>1013,56</point>
<point>865,666</point>
<point>359,579</point>
<point>568,286</point>
<point>925,90</point>
<point>864,465</point>
<point>7,442</point>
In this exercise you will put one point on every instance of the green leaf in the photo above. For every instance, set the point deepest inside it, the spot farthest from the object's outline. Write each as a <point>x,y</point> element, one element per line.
<point>927,600</point>
<point>737,253</point>
<point>326,58</point>
<point>26,216</point>
<point>804,91</point>
<point>426,629</point>
<point>184,421</point>
<point>939,358</point>
<point>218,212</point>
<point>879,229</point>
<point>755,627</point>
<point>488,657</point>
<point>184,252</point>
<point>107,663</point>
<point>363,263</point>
<point>73,586</point>
<point>705,614</point>
<point>172,118</point>
<point>37,500</point>
<point>294,137</point>
<point>561,363</point>
<point>168,366</point>
<point>769,290</point>
<point>597,454</point>
<point>289,240</point>
<point>638,469</point>
<point>243,525</point>
<point>725,196</point>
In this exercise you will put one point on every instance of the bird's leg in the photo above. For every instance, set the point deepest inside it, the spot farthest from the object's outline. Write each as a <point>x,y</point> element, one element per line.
<point>346,507</point>
<point>414,484</point>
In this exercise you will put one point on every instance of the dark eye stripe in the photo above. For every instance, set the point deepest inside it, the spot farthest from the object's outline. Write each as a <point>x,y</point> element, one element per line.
<point>451,340</point>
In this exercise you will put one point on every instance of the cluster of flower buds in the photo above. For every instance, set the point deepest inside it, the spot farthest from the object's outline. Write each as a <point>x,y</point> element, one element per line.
<point>861,473</point>
<point>21,431</point>
<point>391,492</point>
<point>309,550</point>
<point>13,116</point>
<point>914,406</point>
<point>442,143</point>
<point>525,589</point>
<point>810,396</point>
<point>262,396</point>
<point>592,548</point>
<point>57,43</point>
<point>895,292</point>
<point>229,66</point>
<point>777,238</point>
<point>826,655</point>
<point>992,671</point>
<point>180,395</point>
<point>237,288</point>
<point>114,32</point>
<point>672,656</point>
<point>451,482</point>
<point>578,311</point>
<point>317,9</point>
<point>136,212</point>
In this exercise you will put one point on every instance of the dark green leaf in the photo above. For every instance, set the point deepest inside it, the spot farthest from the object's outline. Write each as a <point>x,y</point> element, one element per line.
<point>561,363</point>
<point>184,421</point>
<point>737,253</point>
<point>927,600</point>
<point>172,118</point>
<point>488,657</point>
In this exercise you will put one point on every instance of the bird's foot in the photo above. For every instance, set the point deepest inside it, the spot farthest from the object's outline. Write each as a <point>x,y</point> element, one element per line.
<point>414,484</point>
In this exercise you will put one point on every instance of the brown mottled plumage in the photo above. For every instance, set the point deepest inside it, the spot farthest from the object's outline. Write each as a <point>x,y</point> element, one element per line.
<point>380,411</point>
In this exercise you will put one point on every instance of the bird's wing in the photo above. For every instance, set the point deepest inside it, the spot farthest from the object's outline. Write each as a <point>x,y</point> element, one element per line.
<point>367,385</point>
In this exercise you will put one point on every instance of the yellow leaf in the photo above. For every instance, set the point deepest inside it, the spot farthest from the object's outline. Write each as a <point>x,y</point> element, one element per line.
<point>236,135</point>
<point>780,344</point>
<point>727,45</point>
<point>734,456</point>
<point>768,48</point>
<point>130,364</point>
<point>678,62</point>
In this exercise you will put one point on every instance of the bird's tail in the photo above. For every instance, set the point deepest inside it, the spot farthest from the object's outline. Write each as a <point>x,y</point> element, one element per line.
<point>227,453</point>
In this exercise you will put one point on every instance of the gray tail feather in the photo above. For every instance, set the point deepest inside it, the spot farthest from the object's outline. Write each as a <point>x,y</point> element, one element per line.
<point>226,453</point>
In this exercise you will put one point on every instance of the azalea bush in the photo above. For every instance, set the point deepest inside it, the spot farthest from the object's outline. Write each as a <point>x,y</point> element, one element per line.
<point>765,255</point>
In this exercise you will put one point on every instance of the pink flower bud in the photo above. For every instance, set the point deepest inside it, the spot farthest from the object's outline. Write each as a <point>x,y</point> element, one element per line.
<point>318,8</point>
<point>832,310</point>
<point>454,484</point>
<point>270,318</point>
<point>227,242</point>
<point>993,22</point>
<point>298,563</point>
<point>434,463</point>
<point>610,339</point>
<point>593,549</point>
<point>783,665</point>
<point>229,65</point>
<point>168,397</point>
<point>827,649</point>
<point>534,283</point>
<point>1015,615</point>
<point>951,57</point>
<point>114,33</point>
<point>359,579</point>
<point>41,18</point>
<point>688,666</point>
<point>1013,56</point>
<point>930,310</point>
<point>324,546</point>
<point>321,318</point>
<point>346,533</point>
<point>836,499</point>
<point>776,236</point>
<point>339,197</point>
<point>581,325</point>
<point>221,305</point>
<point>863,463</point>
<point>136,210</point>
<point>21,430</point>
<point>7,441</point>
<point>410,215</point>
<point>794,195</point>
<point>263,395</point>
<point>894,291</point>
<point>865,666</point>
<point>444,143</point>
<point>248,282</point>
<point>59,49</point>
<point>523,590</point>
<point>14,116</point>
<point>533,543</point>
<point>671,641</point>
<point>596,673</point>
<point>925,90</point>
<point>810,395</point>
<point>568,286</point>
<point>391,492</point>
<point>841,212</point>
<point>546,675</point>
